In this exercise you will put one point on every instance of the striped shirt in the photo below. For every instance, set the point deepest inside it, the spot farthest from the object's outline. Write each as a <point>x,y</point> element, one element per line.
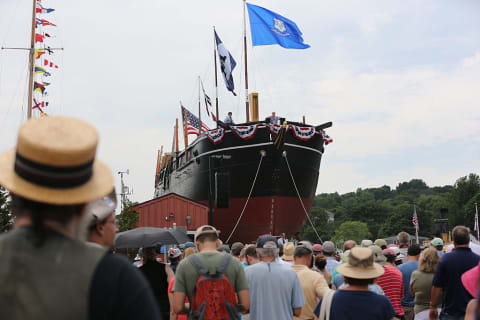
<point>392,284</point>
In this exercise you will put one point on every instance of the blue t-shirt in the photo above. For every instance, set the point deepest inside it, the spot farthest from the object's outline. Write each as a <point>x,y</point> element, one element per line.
<point>449,277</point>
<point>406,269</point>
<point>358,305</point>
<point>274,291</point>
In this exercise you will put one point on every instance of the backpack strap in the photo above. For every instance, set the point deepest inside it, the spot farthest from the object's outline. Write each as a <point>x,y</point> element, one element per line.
<point>198,265</point>
<point>326,305</point>
<point>222,268</point>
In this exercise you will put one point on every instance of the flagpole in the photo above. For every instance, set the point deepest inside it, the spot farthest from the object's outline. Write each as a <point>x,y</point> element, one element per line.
<point>416,225</point>
<point>247,109</point>
<point>31,60</point>
<point>216,82</point>
<point>199,110</point>
<point>476,221</point>
<point>185,136</point>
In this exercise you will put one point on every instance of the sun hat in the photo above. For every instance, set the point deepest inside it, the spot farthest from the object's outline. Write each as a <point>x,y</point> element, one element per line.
<point>391,245</point>
<point>267,241</point>
<point>328,247</point>
<point>360,265</point>
<point>378,256</point>
<point>174,253</point>
<point>206,229</point>
<point>288,251</point>
<point>317,247</point>
<point>470,279</point>
<point>54,162</point>
<point>437,242</point>
<point>380,242</point>
<point>396,250</point>
<point>389,251</point>
<point>100,209</point>
<point>366,243</point>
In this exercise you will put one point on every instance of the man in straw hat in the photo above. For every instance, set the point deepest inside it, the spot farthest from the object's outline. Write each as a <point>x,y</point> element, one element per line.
<point>46,271</point>
<point>356,301</point>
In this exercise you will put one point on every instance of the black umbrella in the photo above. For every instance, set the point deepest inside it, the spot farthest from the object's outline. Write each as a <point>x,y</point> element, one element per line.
<point>145,237</point>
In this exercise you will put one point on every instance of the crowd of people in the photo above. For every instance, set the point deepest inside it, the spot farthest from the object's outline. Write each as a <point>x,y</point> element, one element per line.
<point>58,261</point>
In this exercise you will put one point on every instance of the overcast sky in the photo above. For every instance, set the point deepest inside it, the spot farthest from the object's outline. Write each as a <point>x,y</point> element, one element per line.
<point>399,79</point>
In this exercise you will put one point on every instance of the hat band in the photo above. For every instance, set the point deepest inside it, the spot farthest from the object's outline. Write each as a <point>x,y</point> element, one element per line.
<point>53,176</point>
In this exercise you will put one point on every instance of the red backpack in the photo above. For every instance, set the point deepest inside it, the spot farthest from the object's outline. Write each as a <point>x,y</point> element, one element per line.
<point>214,296</point>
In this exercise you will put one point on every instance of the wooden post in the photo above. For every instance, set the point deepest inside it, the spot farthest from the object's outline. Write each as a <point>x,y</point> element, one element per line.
<point>31,60</point>
<point>185,135</point>
<point>176,136</point>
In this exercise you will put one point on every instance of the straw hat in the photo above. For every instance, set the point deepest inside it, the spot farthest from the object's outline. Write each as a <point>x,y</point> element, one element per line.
<point>360,265</point>
<point>288,251</point>
<point>54,162</point>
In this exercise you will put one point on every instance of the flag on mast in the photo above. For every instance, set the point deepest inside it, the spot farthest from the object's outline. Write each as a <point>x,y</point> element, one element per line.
<point>268,27</point>
<point>227,64</point>
<point>475,228</point>
<point>415,219</point>
<point>208,102</point>
<point>192,122</point>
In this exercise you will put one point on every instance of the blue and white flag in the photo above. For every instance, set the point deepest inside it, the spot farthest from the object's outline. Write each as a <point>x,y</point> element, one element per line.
<point>269,27</point>
<point>227,64</point>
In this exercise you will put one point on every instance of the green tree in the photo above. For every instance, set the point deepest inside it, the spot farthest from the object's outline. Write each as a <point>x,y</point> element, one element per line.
<point>6,216</point>
<point>128,218</point>
<point>352,230</point>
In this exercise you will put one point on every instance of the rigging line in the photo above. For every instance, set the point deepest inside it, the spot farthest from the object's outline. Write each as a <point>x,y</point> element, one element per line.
<point>284,154</point>
<point>262,155</point>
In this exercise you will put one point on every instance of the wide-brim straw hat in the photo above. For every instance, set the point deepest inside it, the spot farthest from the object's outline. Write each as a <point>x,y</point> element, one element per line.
<point>360,265</point>
<point>288,251</point>
<point>54,162</point>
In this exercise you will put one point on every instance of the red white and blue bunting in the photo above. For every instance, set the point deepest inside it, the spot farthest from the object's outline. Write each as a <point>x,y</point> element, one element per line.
<point>303,133</point>
<point>274,128</point>
<point>326,138</point>
<point>216,136</point>
<point>245,132</point>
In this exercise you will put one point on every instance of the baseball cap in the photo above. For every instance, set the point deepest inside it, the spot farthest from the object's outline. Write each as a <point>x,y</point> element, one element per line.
<point>206,229</point>
<point>188,245</point>
<point>388,251</point>
<point>317,247</point>
<point>174,253</point>
<point>396,250</point>
<point>237,247</point>
<point>328,247</point>
<point>437,242</point>
<point>266,241</point>
<point>303,245</point>
<point>98,210</point>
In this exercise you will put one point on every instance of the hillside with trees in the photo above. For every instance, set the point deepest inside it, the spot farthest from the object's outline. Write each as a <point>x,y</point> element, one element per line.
<point>382,212</point>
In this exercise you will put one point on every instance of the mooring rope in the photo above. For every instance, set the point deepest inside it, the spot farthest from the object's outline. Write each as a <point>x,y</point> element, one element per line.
<point>262,155</point>
<point>284,154</point>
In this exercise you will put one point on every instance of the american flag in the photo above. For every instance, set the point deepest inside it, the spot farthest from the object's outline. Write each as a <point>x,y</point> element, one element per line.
<point>415,219</point>
<point>192,122</point>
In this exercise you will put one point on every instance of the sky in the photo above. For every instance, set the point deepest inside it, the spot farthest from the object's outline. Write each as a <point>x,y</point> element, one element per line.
<point>400,80</point>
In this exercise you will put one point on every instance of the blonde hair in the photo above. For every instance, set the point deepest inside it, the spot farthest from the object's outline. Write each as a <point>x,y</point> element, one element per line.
<point>188,252</point>
<point>429,260</point>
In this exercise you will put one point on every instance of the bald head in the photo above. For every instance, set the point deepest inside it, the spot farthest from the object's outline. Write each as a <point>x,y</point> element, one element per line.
<point>348,245</point>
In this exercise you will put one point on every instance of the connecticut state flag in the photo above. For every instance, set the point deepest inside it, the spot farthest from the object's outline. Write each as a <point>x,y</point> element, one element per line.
<point>269,27</point>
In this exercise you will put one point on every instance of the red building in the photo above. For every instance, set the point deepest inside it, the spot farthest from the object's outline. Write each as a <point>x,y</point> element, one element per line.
<point>170,211</point>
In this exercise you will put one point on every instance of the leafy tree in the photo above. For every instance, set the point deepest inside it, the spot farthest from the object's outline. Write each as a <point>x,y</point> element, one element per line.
<point>352,230</point>
<point>6,216</point>
<point>128,218</point>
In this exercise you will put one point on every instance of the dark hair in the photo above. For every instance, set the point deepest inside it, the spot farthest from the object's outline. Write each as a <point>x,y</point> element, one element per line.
<point>414,250</point>
<point>390,258</point>
<point>358,282</point>
<point>320,262</point>
<point>210,237</point>
<point>149,254</point>
<point>40,211</point>
<point>301,252</point>
<point>251,251</point>
<point>461,235</point>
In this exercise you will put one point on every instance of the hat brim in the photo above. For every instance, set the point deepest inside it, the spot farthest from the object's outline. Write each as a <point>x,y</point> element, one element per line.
<point>349,271</point>
<point>99,185</point>
<point>470,279</point>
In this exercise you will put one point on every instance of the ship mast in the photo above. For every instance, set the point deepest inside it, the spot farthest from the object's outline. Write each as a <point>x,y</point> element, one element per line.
<point>216,82</point>
<point>246,65</point>
<point>199,110</point>
<point>31,61</point>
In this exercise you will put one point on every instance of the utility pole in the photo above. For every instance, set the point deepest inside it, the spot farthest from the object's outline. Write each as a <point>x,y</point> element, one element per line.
<point>124,191</point>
